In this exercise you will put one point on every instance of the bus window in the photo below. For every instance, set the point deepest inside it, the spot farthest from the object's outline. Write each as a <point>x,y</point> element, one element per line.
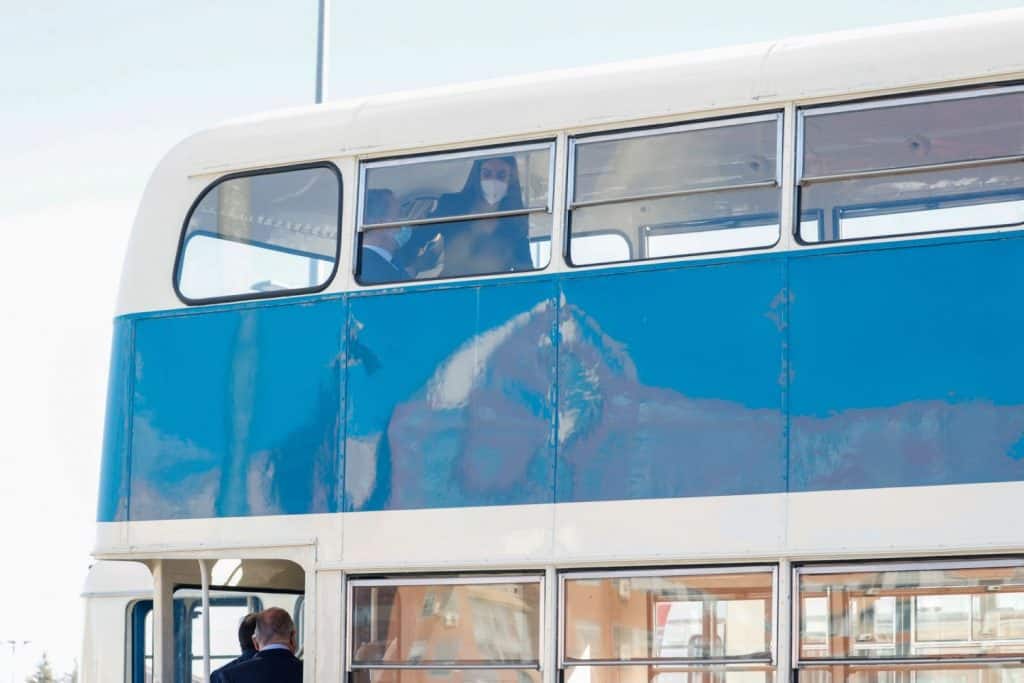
<point>669,626</point>
<point>914,165</point>
<point>451,215</point>
<point>935,622</point>
<point>693,189</point>
<point>436,630</point>
<point>261,234</point>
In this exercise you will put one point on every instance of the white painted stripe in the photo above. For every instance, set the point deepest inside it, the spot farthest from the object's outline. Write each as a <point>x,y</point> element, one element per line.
<point>865,523</point>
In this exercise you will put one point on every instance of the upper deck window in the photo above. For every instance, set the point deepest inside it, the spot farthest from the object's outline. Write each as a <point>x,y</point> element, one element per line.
<point>692,189</point>
<point>261,234</point>
<point>913,165</point>
<point>450,215</point>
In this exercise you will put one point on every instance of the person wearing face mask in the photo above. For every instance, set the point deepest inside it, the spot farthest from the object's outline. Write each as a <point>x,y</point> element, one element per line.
<point>379,246</point>
<point>485,245</point>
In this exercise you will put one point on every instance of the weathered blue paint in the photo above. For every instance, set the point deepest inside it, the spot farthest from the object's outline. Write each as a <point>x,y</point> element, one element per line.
<point>451,397</point>
<point>115,467</point>
<point>236,412</point>
<point>670,383</point>
<point>845,367</point>
<point>907,366</point>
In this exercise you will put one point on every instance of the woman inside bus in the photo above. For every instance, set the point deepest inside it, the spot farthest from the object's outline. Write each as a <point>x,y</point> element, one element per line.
<point>485,245</point>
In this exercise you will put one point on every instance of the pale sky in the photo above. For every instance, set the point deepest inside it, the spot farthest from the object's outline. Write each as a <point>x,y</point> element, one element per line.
<point>93,93</point>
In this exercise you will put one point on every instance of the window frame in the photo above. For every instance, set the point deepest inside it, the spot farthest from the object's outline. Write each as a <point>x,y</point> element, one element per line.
<point>772,661</point>
<point>775,114</point>
<point>796,600</point>
<point>184,237</point>
<point>444,580</point>
<point>364,164</point>
<point>904,99</point>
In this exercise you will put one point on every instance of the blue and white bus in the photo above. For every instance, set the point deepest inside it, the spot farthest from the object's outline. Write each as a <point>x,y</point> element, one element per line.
<point>699,369</point>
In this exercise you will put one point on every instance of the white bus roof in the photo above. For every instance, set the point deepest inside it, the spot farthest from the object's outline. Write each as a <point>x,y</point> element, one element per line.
<point>850,64</point>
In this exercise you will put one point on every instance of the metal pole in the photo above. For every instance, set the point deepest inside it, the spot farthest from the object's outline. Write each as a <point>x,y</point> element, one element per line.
<point>322,48</point>
<point>204,573</point>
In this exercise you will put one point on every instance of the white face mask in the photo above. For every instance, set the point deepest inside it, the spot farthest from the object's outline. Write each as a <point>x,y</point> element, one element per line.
<point>493,190</point>
<point>402,236</point>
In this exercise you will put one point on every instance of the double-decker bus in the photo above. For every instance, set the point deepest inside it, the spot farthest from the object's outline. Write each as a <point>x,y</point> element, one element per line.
<point>698,369</point>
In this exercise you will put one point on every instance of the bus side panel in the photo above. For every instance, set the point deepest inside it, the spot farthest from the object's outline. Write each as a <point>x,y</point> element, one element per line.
<point>236,412</point>
<point>451,397</point>
<point>112,505</point>
<point>672,383</point>
<point>907,366</point>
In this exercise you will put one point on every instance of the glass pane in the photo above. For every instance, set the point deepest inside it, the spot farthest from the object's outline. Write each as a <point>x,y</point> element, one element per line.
<point>447,186</point>
<point>912,613</point>
<point>268,232</point>
<point>676,226</point>
<point>915,134</point>
<point>668,674</point>
<point>652,617</point>
<point>956,199</point>
<point>674,161</point>
<point>226,611</point>
<point>470,623</point>
<point>947,673</point>
<point>446,676</point>
<point>489,246</point>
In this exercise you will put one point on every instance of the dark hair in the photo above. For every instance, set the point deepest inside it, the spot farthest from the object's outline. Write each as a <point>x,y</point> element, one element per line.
<point>472,193</point>
<point>377,204</point>
<point>245,631</point>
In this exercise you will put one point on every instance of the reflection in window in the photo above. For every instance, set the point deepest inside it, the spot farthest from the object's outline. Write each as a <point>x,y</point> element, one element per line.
<point>944,611</point>
<point>442,630</point>
<point>693,189</point>
<point>672,616</point>
<point>914,165</point>
<point>261,233</point>
<point>452,215</point>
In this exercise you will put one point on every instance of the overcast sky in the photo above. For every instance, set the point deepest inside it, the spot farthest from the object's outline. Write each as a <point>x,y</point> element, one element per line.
<point>93,93</point>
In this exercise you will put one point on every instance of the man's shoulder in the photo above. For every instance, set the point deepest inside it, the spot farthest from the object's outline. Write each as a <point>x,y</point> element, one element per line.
<point>279,666</point>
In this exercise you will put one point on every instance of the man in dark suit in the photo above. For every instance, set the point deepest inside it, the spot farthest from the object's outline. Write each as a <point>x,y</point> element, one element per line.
<point>275,662</point>
<point>379,245</point>
<point>246,629</point>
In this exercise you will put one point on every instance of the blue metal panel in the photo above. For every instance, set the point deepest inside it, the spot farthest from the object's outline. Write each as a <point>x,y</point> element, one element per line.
<point>113,495</point>
<point>236,412</point>
<point>907,366</point>
<point>451,397</point>
<point>671,382</point>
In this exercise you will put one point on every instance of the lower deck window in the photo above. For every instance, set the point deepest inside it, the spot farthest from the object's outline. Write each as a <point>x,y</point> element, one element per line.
<point>943,622</point>
<point>669,626</point>
<point>437,630</point>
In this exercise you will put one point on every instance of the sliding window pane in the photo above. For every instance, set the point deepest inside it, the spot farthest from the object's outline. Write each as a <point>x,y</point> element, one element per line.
<point>912,613</point>
<point>916,133</point>
<point>695,616</point>
<point>453,185</point>
<point>674,161</point>
<point>446,623</point>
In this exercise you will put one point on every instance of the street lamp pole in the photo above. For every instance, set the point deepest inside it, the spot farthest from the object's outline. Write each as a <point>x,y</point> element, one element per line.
<point>14,646</point>
<point>322,46</point>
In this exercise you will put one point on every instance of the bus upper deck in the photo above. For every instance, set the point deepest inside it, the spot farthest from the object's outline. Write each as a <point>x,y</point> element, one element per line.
<point>757,305</point>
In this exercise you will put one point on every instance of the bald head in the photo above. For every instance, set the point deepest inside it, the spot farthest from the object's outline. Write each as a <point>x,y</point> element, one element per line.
<point>275,626</point>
